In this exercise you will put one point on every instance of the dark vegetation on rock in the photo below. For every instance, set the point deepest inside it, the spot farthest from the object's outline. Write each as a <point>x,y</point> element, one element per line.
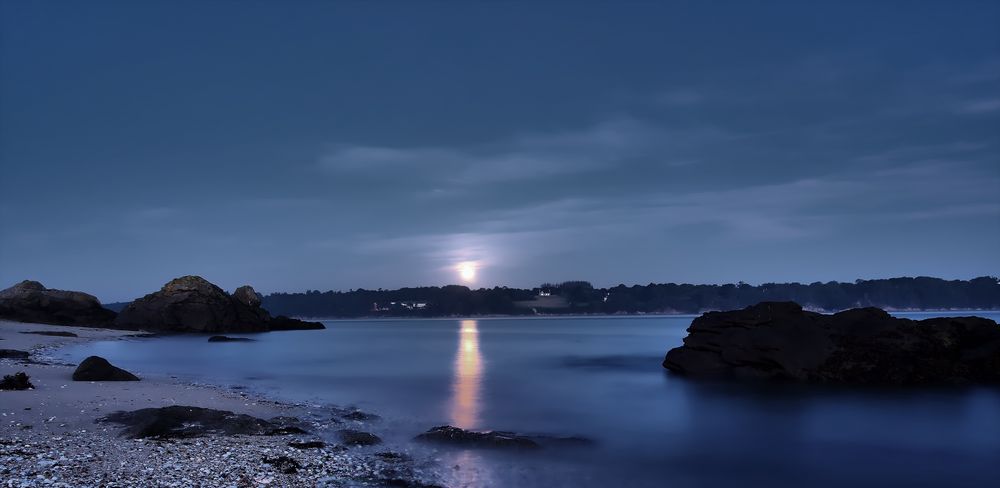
<point>96,368</point>
<point>580,297</point>
<point>16,381</point>
<point>30,301</point>
<point>53,333</point>
<point>353,437</point>
<point>220,338</point>
<point>184,421</point>
<point>780,341</point>
<point>192,304</point>
<point>13,354</point>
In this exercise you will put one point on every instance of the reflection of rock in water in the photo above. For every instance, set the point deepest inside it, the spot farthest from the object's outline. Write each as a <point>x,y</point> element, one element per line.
<point>467,377</point>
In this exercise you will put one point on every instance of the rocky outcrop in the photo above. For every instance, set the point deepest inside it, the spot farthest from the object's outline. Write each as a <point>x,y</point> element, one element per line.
<point>467,438</point>
<point>779,340</point>
<point>192,304</point>
<point>30,301</point>
<point>96,368</point>
<point>180,421</point>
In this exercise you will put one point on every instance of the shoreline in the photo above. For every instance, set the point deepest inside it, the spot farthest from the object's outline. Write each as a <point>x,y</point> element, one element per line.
<point>50,436</point>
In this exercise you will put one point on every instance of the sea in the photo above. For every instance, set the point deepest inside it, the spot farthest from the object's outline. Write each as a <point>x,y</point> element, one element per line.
<point>599,378</point>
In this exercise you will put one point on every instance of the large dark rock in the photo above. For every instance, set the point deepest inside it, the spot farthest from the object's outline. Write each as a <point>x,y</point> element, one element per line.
<point>183,421</point>
<point>779,340</point>
<point>192,304</point>
<point>96,368</point>
<point>30,301</point>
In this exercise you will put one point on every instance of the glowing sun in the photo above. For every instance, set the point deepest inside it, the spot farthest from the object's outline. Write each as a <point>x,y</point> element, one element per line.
<point>467,270</point>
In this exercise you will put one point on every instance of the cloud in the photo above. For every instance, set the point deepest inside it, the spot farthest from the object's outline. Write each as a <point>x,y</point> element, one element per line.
<point>981,106</point>
<point>606,145</point>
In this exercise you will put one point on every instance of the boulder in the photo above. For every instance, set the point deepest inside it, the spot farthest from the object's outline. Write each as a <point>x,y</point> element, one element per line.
<point>248,296</point>
<point>183,421</point>
<point>779,340</point>
<point>96,368</point>
<point>30,301</point>
<point>467,438</point>
<point>192,304</point>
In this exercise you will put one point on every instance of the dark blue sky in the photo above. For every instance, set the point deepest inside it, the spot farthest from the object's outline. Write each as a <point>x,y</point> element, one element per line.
<point>324,145</point>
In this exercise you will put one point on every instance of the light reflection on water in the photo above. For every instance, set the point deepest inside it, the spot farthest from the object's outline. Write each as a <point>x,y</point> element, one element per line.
<point>466,394</point>
<point>468,376</point>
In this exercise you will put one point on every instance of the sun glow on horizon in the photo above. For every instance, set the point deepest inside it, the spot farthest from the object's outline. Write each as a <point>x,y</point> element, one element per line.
<point>467,271</point>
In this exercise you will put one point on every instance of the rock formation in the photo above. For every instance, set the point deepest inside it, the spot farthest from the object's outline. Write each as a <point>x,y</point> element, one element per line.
<point>30,301</point>
<point>96,368</point>
<point>779,340</point>
<point>192,304</point>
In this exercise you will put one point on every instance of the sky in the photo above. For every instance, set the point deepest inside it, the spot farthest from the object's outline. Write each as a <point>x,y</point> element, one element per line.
<point>340,145</point>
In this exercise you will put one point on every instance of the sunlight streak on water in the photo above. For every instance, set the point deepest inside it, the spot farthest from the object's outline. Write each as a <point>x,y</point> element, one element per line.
<point>467,380</point>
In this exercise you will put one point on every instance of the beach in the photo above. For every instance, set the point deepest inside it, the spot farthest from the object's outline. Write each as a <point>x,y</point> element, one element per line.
<point>49,435</point>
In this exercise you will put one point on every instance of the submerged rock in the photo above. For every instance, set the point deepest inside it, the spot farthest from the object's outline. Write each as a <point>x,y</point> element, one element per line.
<point>16,381</point>
<point>192,304</point>
<point>13,354</point>
<point>220,338</point>
<point>353,437</point>
<point>54,333</point>
<point>96,368</point>
<point>30,301</point>
<point>779,340</point>
<point>183,421</point>
<point>467,438</point>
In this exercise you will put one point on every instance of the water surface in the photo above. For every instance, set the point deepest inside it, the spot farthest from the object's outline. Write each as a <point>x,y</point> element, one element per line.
<point>600,378</point>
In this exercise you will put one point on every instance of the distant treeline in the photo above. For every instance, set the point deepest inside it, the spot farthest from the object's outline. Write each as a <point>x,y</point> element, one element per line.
<point>580,297</point>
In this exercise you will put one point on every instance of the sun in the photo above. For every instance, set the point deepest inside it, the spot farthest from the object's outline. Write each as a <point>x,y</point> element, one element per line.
<point>467,270</point>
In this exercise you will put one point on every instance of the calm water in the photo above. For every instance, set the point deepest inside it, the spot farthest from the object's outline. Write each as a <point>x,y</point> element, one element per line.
<point>600,378</point>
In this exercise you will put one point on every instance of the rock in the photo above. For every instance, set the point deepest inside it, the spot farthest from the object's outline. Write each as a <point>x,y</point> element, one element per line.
<point>17,381</point>
<point>779,340</point>
<point>220,338</point>
<point>248,296</point>
<point>96,368</point>
<point>467,438</point>
<point>192,304</point>
<point>13,354</point>
<point>359,416</point>
<point>54,333</point>
<point>283,464</point>
<point>183,421</point>
<point>30,301</point>
<point>307,444</point>
<point>284,323</point>
<point>353,437</point>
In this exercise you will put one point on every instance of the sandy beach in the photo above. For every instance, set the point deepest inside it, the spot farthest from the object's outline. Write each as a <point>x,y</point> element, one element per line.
<point>49,435</point>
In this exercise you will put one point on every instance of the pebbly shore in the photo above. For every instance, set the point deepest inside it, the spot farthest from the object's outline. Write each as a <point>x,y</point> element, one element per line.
<point>52,435</point>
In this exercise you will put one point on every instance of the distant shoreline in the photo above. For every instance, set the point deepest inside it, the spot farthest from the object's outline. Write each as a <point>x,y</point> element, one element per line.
<point>612,315</point>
